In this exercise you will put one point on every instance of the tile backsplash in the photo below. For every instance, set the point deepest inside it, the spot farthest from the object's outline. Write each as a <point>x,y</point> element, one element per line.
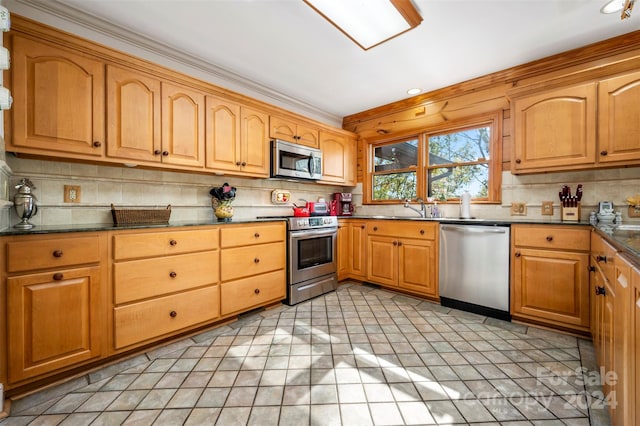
<point>188,193</point>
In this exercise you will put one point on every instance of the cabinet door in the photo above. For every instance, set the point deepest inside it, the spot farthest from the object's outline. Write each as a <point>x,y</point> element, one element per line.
<point>223,134</point>
<point>133,115</point>
<point>307,135</point>
<point>344,231</point>
<point>58,101</point>
<point>254,143</point>
<point>607,359</point>
<point>619,119</point>
<point>53,320</point>
<point>635,346</point>
<point>551,287</point>
<point>358,250</point>
<point>622,342</point>
<point>334,151</point>
<point>283,129</point>
<point>350,162</point>
<point>597,312</point>
<point>416,266</point>
<point>555,130</point>
<point>383,260</point>
<point>182,126</point>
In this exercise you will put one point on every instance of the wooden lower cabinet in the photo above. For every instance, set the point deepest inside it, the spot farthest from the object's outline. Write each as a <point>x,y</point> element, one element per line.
<point>635,347</point>
<point>244,294</point>
<point>357,250</point>
<point>403,255</point>
<point>550,281</point>
<point>53,320</point>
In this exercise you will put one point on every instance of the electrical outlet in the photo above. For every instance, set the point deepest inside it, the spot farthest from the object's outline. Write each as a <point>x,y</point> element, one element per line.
<point>547,208</point>
<point>518,209</point>
<point>72,193</point>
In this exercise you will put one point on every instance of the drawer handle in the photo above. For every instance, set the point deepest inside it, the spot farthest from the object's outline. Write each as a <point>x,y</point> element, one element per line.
<point>517,254</point>
<point>375,228</point>
<point>58,276</point>
<point>173,314</point>
<point>57,253</point>
<point>256,260</point>
<point>600,258</point>
<point>173,242</point>
<point>600,291</point>
<point>422,232</point>
<point>257,235</point>
<point>256,291</point>
<point>549,238</point>
<point>172,274</point>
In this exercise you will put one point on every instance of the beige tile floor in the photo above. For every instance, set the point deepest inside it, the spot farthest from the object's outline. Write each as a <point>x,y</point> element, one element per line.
<point>358,356</point>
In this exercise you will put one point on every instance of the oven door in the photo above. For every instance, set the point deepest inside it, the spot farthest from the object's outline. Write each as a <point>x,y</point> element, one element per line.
<point>312,254</point>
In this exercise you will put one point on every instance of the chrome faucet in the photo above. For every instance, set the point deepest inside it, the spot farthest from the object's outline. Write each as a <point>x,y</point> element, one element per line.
<point>422,212</point>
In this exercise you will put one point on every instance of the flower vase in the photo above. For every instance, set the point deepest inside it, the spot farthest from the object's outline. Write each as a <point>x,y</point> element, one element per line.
<point>222,209</point>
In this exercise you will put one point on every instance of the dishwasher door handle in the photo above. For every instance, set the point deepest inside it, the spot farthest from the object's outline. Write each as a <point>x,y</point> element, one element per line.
<point>474,230</point>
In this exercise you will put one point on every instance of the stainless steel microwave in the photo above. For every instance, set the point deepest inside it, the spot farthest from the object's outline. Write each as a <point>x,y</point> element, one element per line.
<point>289,160</point>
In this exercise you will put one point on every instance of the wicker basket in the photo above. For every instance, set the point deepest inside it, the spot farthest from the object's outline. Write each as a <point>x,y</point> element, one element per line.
<point>140,216</point>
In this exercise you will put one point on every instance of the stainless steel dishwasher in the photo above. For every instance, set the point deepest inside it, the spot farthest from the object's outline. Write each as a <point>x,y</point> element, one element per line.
<point>474,269</point>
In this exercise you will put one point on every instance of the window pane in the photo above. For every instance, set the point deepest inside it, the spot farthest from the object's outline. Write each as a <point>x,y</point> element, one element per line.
<point>394,186</point>
<point>451,182</point>
<point>460,147</point>
<point>397,156</point>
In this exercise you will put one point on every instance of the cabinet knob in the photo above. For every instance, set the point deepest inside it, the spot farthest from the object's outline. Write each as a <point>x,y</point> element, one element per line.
<point>165,153</point>
<point>256,260</point>
<point>157,152</point>
<point>361,226</point>
<point>603,153</point>
<point>375,228</point>
<point>399,243</point>
<point>237,163</point>
<point>600,291</point>
<point>257,235</point>
<point>57,253</point>
<point>244,163</point>
<point>422,232</point>
<point>97,144</point>
<point>172,274</point>
<point>518,161</point>
<point>173,242</point>
<point>600,258</point>
<point>549,238</point>
<point>395,243</point>
<point>256,291</point>
<point>58,276</point>
<point>173,314</point>
<point>517,254</point>
<point>591,268</point>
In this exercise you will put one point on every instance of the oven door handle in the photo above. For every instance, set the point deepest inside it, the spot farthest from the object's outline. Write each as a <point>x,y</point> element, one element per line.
<point>303,235</point>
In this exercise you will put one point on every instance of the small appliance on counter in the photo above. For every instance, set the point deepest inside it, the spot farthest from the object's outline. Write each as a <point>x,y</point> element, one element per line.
<point>343,202</point>
<point>25,204</point>
<point>606,215</point>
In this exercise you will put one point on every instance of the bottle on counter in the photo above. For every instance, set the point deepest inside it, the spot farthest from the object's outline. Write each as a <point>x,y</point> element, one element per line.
<point>618,219</point>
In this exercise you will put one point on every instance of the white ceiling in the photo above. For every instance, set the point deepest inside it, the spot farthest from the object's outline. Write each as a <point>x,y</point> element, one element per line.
<point>286,50</point>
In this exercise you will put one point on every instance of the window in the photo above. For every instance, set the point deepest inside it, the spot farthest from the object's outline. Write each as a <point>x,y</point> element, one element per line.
<point>464,156</point>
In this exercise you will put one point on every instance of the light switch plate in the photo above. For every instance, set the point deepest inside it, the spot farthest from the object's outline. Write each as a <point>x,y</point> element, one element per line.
<point>518,209</point>
<point>72,193</point>
<point>547,208</point>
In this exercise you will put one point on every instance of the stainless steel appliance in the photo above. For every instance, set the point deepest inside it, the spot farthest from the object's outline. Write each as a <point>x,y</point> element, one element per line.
<point>25,204</point>
<point>474,269</point>
<point>295,161</point>
<point>312,257</point>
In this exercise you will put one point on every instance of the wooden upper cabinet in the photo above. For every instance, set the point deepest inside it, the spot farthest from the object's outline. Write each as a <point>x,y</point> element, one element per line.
<point>555,130</point>
<point>619,119</point>
<point>59,101</point>
<point>182,126</point>
<point>338,158</point>
<point>236,138</point>
<point>133,115</point>
<point>223,134</point>
<point>254,142</point>
<point>291,131</point>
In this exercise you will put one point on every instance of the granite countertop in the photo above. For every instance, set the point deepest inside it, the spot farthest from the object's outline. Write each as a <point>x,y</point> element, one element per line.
<point>626,239</point>
<point>57,229</point>
<point>473,221</point>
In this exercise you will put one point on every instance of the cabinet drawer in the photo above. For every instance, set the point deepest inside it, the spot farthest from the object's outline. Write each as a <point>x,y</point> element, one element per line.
<point>246,235</point>
<point>141,279</point>
<point>52,253</point>
<point>132,246</point>
<point>249,292</point>
<point>152,318</point>
<point>253,260</point>
<point>552,237</point>
<point>393,228</point>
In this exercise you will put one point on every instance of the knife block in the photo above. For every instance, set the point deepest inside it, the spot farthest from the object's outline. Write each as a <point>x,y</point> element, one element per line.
<point>571,214</point>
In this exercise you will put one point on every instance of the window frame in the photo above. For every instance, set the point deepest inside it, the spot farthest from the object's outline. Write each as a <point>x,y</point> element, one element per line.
<point>494,191</point>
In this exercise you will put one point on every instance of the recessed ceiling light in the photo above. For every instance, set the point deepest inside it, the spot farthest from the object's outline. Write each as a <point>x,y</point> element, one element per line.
<point>414,91</point>
<point>369,23</point>
<point>613,6</point>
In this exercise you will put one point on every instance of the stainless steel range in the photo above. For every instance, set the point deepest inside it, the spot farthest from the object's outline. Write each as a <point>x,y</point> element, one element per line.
<point>312,263</point>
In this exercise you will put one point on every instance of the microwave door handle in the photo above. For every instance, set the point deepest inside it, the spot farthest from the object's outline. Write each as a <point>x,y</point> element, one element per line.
<point>311,165</point>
